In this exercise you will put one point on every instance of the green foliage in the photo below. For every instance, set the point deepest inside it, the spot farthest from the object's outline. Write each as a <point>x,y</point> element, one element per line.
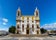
<point>12,29</point>
<point>43,30</point>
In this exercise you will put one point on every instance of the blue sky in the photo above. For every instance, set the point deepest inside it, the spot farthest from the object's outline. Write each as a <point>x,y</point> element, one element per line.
<point>8,9</point>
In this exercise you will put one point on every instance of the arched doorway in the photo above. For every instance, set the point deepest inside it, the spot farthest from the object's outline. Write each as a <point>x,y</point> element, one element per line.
<point>27,29</point>
<point>17,31</point>
<point>37,31</point>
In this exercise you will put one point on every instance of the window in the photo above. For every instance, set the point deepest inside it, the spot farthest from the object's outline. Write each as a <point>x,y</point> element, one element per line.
<point>17,31</point>
<point>27,25</point>
<point>37,20</point>
<point>23,27</point>
<point>18,13</point>
<point>37,31</point>
<point>36,13</point>
<point>32,27</point>
<point>37,26</point>
<point>32,21</point>
<point>23,21</point>
<point>18,26</point>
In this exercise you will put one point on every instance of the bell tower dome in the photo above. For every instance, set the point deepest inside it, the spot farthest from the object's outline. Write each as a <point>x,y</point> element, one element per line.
<point>36,13</point>
<point>18,12</point>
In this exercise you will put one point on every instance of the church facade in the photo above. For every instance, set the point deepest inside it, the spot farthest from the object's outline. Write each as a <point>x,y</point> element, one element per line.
<point>27,25</point>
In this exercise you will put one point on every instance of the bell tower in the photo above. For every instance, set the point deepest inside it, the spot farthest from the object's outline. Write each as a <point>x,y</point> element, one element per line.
<point>36,13</point>
<point>37,20</point>
<point>18,13</point>
<point>18,19</point>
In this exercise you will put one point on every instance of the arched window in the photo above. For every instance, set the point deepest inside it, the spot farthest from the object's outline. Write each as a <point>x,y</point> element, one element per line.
<point>23,21</point>
<point>37,31</point>
<point>22,27</point>
<point>27,25</point>
<point>18,13</point>
<point>36,13</point>
<point>32,27</point>
<point>17,31</point>
<point>37,26</point>
<point>32,21</point>
<point>18,26</point>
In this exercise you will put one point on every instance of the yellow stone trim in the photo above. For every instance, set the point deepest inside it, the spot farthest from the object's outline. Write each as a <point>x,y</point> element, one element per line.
<point>37,18</point>
<point>33,18</point>
<point>22,17</point>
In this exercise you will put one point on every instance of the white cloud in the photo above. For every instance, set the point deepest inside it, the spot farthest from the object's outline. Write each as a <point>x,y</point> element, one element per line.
<point>5,20</point>
<point>49,26</point>
<point>4,23</point>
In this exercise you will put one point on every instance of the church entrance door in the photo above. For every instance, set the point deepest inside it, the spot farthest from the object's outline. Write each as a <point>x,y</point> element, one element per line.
<point>27,29</point>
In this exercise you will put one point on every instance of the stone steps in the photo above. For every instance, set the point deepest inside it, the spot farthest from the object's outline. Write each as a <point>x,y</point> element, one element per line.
<point>17,35</point>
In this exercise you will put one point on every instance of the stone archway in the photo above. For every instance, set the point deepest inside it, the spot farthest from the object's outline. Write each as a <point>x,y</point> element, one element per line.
<point>27,29</point>
<point>37,31</point>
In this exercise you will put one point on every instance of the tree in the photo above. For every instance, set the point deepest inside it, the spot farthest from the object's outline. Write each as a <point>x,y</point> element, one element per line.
<point>43,30</point>
<point>12,29</point>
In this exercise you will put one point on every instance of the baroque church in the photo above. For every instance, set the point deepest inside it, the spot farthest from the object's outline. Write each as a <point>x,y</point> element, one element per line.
<point>27,25</point>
